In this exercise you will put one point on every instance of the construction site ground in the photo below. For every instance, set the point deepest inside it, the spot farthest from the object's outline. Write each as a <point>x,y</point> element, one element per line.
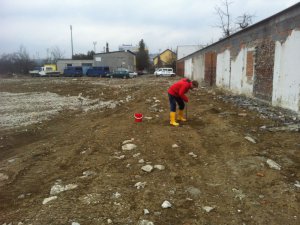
<point>67,164</point>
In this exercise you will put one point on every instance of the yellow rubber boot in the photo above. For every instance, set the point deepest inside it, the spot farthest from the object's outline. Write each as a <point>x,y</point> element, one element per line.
<point>180,116</point>
<point>172,119</point>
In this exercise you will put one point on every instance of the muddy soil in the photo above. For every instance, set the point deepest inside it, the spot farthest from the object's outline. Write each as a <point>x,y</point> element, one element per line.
<point>213,175</point>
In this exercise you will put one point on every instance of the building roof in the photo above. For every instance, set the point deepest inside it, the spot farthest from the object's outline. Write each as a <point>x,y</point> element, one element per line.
<point>164,52</point>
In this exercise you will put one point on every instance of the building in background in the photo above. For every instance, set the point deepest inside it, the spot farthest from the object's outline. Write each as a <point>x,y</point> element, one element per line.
<point>127,47</point>
<point>185,50</point>
<point>166,58</point>
<point>259,61</point>
<point>64,63</point>
<point>117,59</point>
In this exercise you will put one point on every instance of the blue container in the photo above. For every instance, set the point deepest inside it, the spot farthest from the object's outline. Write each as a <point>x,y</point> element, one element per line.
<point>73,71</point>
<point>99,71</point>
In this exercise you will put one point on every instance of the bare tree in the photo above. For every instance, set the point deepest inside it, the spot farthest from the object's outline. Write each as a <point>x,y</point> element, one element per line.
<point>225,19</point>
<point>225,22</point>
<point>244,20</point>
<point>18,62</point>
<point>56,54</point>
<point>24,63</point>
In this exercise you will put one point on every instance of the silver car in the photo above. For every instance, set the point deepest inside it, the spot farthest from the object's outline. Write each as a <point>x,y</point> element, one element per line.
<point>164,72</point>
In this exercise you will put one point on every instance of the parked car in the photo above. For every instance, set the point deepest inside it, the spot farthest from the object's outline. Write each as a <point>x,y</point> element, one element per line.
<point>165,72</point>
<point>140,72</point>
<point>119,73</point>
<point>122,73</point>
<point>98,71</point>
<point>73,71</point>
<point>132,74</point>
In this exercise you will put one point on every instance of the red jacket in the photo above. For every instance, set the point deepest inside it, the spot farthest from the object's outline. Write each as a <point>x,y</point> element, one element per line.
<point>180,88</point>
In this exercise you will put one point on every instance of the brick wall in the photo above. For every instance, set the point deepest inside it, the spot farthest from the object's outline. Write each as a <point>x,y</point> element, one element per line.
<point>250,65</point>
<point>264,64</point>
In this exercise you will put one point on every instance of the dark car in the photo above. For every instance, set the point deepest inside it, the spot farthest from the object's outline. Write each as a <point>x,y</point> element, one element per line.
<point>140,72</point>
<point>120,73</point>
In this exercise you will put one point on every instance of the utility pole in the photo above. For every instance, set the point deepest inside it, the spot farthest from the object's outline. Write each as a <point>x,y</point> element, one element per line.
<point>71,40</point>
<point>94,43</point>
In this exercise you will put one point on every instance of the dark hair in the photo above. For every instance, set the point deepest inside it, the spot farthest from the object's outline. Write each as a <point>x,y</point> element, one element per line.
<point>195,83</point>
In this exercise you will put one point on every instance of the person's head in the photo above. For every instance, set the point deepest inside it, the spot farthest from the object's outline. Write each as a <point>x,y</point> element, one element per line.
<point>194,84</point>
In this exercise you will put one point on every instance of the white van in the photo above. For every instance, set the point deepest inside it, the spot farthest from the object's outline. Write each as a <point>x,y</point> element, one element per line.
<point>165,72</point>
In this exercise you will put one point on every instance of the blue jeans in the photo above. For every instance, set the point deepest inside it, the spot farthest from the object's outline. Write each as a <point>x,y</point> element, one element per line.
<point>173,99</point>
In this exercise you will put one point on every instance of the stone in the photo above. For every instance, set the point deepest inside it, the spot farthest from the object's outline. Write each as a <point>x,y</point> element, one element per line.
<point>242,114</point>
<point>175,146</point>
<point>11,160</point>
<point>145,222</point>
<point>250,139</point>
<point>119,157</point>
<point>297,184</point>
<point>88,173</point>
<point>238,194</point>
<point>166,204</point>
<point>57,188</point>
<point>148,117</point>
<point>109,221</point>
<point>208,208</point>
<point>146,212</point>
<point>75,223</point>
<point>116,195</point>
<point>147,168</point>
<point>141,161</point>
<point>193,154</point>
<point>46,200</point>
<point>128,147</point>
<point>136,155</point>
<point>3,177</point>
<point>159,167</point>
<point>128,141</point>
<point>273,165</point>
<point>140,185</point>
<point>194,192</point>
<point>21,196</point>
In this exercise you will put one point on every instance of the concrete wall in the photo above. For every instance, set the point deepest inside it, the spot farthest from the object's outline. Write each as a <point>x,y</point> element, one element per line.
<point>261,61</point>
<point>286,82</point>
<point>188,68</point>
<point>116,60</point>
<point>198,68</point>
<point>223,69</point>
<point>63,63</point>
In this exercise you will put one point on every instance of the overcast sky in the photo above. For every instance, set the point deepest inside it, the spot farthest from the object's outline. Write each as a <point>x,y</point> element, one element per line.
<point>39,25</point>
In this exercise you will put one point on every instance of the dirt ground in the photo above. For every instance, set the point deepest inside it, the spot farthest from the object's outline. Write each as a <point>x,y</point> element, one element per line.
<point>210,173</point>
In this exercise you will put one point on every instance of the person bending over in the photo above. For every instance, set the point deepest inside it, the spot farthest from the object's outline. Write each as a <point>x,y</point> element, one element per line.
<point>177,95</point>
